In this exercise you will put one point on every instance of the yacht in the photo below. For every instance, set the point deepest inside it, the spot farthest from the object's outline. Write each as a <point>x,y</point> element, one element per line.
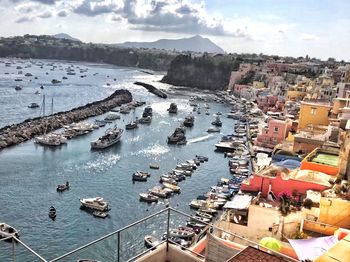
<point>111,136</point>
<point>97,203</point>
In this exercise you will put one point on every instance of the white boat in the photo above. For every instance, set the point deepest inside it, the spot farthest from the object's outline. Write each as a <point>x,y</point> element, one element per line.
<point>96,203</point>
<point>111,137</point>
<point>172,187</point>
<point>7,231</point>
<point>112,116</point>
<point>51,139</point>
<point>213,130</point>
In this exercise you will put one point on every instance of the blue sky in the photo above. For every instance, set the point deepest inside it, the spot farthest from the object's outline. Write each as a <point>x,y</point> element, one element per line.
<point>319,28</point>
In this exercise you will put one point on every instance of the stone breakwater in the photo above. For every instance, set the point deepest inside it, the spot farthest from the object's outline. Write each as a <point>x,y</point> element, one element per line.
<point>29,128</point>
<point>152,89</point>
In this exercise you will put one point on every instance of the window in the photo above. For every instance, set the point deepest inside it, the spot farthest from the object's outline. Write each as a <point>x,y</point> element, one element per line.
<point>275,129</point>
<point>313,111</point>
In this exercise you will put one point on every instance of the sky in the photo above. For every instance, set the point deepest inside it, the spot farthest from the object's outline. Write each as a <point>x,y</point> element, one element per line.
<point>318,28</point>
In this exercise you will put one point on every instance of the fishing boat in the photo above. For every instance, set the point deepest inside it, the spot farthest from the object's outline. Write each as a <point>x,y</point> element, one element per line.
<point>148,197</point>
<point>139,176</point>
<point>131,125</point>
<point>172,187</point>
<point>189,120</point>
<point>181,172</point>
<point>151,241</point>
<point>159,192</point>
<point>7,231</point>
<point>111,136</point>
<point>167,179</point>
<point>153,166</point>
<point>172,108</point>
<point>62,187</point>
<point>96,203</point>
<point>52,212</point>
<point>33,105</point>
<point>100,214</point>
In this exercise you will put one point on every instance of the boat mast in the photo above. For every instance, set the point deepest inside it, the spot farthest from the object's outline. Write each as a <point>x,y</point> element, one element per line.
<point>52,106</point>
<point>43,107</point>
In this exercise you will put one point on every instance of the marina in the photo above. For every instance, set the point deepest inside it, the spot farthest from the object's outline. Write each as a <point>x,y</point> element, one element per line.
<point>106,172</point>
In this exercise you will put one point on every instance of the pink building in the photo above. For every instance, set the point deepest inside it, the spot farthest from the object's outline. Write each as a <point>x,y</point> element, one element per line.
<point>274,133</point>
<point>270,103</point>
<point>237,89</point>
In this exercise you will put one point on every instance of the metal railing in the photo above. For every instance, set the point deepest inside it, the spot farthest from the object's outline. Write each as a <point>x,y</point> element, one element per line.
<point>169,212</point>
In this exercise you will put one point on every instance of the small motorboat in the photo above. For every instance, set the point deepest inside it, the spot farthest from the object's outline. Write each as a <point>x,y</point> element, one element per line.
<point>213,130</point>
<point>7,231</point>
<point>55,81</point>
<point>52,212</point>
<point>159,192</point>
<point>140,176</point>
<point>100,214</point>
<point>208,210</point>
<point>200,219</point>
<point>33,105</point>
<point>112,116</point>
<point>181,233</point>
<point>195,224</point>
<point>63,187</point>
<point>151,241</point>
<point>131,125</point>
<point>202,158</point>
<point>148,197</point>
<point>197,203</point>
<point>153,166</point>
<point>18,88</point>
<point>172,187</point>
<point>204,215</point>
<point>145,120</point>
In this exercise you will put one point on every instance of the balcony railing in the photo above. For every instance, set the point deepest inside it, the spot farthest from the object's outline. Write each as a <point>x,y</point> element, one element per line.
<point>124,244</point>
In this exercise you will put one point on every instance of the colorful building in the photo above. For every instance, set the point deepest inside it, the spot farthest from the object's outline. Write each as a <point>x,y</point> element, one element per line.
<point>274,133</point>
<point>322,160</point>
<point>313,113</point>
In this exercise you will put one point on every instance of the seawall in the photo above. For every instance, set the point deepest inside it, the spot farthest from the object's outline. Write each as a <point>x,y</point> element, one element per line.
<point>29,128</point>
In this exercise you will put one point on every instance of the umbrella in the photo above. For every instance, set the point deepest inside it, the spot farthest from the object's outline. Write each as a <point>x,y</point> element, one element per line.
<point>271,243</point>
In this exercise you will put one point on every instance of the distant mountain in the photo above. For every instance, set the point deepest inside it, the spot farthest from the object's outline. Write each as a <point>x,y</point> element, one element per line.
<point>194,44</point>
<point>65,36</point>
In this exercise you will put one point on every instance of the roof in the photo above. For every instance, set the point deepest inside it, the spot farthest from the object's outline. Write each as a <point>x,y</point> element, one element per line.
<point>339,252</point>
<point>253,254</point>
<point>239,202</point>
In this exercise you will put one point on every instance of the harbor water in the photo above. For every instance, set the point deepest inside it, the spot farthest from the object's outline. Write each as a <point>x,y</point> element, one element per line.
<point>30,173</point>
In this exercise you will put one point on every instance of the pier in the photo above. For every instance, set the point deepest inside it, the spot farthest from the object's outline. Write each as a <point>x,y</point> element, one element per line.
<point>152,89</point>
<point>29,128</point>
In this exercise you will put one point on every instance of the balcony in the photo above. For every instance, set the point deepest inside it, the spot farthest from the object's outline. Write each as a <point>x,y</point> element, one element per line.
<point>126,244</point>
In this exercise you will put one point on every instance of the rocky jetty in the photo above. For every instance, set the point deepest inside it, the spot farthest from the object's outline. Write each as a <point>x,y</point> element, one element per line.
<point>152,89</point>
<point>18,133</point>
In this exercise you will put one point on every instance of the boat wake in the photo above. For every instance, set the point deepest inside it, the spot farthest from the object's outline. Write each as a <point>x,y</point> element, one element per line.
<point>134,139</point>
<point>155,150</point>
<point>101,163</point>
<point>199,139</point>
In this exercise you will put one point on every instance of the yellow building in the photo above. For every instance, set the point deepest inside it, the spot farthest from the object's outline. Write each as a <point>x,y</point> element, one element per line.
<point>313,113</point>
<point>258,85</point>
<point>295,95</point>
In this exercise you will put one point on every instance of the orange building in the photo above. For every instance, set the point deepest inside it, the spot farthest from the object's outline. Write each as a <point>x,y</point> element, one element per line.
<point>313,114</point>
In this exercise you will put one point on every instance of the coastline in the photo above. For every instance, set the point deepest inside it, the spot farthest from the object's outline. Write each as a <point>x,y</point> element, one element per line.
<point>17,133</point>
